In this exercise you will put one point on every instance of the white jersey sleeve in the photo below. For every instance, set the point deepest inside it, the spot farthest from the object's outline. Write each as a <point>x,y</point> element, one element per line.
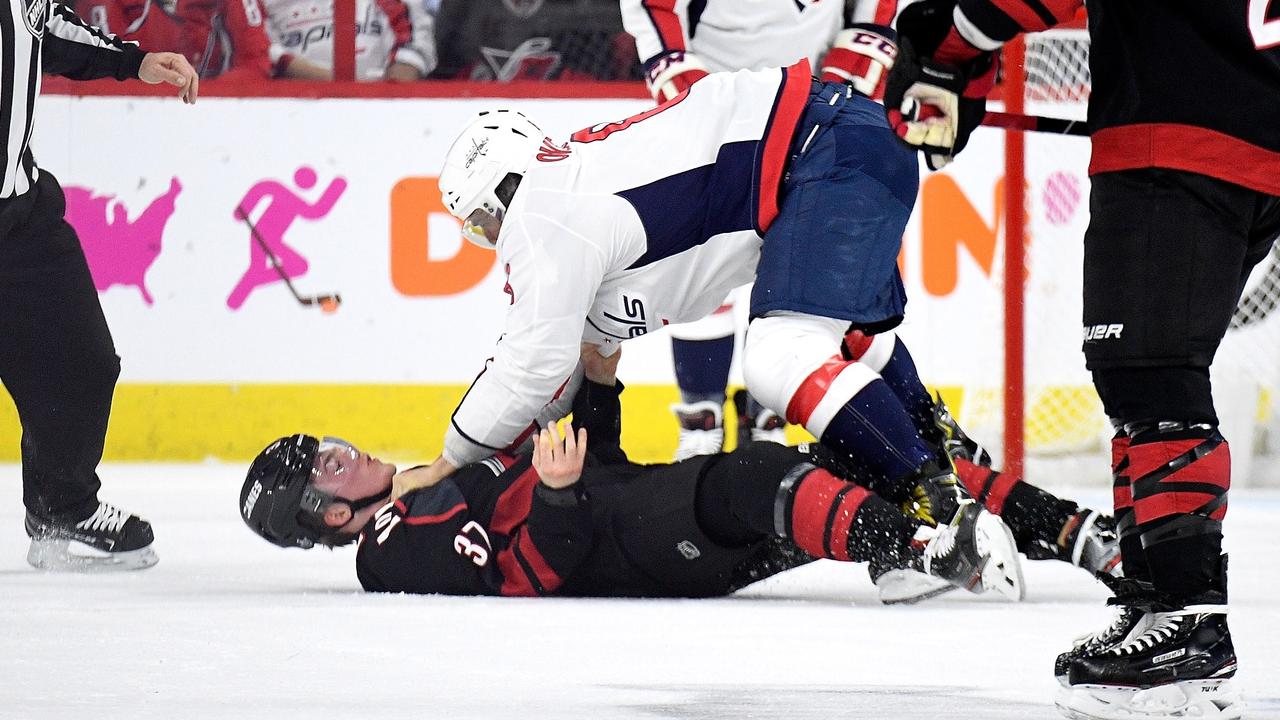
<point>553,272</point>
<point>659,26</point>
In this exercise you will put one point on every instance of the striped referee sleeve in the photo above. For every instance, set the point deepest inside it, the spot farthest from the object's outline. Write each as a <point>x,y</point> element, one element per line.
<point>77,50</point>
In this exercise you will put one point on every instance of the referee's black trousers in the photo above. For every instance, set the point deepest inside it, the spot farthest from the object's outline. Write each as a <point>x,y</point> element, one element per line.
<point>57,359</point>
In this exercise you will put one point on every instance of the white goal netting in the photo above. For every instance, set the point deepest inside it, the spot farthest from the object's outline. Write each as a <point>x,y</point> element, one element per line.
<point>1067,436</point>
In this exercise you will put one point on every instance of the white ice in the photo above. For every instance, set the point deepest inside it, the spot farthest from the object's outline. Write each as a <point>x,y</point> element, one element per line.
<point>227,626</point>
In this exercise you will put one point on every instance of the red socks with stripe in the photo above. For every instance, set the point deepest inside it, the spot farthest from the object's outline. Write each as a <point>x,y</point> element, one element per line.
<point>833,518</point>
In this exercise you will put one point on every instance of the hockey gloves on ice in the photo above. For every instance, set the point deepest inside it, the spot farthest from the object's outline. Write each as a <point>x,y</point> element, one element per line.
<point>861,56</point>
<point>668,75</point>
<point>936,93</point>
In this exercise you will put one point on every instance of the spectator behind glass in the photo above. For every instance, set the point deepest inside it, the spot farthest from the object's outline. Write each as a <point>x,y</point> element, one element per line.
<point>393,39</point>
<point>532,40</point>
<point>221,38</point>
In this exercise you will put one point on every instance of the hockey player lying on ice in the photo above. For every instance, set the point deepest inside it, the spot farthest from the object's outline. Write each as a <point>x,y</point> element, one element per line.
<point>540,523</point>
<point>630,225</point>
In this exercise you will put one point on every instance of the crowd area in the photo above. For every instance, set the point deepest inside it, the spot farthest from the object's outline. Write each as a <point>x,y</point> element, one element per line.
<point>396,40</point>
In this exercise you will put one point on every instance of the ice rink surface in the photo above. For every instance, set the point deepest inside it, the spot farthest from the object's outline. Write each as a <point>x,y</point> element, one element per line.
<point>227,626</point>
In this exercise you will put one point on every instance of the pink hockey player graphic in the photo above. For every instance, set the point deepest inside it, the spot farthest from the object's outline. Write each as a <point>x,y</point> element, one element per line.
<point>284,207</point>
<point>119,251</point>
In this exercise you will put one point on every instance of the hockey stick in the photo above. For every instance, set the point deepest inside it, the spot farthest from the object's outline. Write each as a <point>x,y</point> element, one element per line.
<point>1035,123</point>
<point>327,303</point>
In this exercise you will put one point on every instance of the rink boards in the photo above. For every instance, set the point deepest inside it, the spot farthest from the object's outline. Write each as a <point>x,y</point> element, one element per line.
<point>218,358</point>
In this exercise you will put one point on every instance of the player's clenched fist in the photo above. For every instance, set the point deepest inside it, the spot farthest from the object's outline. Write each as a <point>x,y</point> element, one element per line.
<point>559,464</point>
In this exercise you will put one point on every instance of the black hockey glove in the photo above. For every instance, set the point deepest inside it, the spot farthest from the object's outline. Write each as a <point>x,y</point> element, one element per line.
<point>931,104</point>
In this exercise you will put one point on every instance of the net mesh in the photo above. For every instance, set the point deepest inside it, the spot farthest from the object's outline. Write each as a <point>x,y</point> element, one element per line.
<point>1067,435</point>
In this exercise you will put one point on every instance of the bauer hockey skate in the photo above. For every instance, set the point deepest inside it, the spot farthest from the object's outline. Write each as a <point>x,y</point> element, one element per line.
<point>109,539</point>
<point>1178,666</point>
<point>939,500</point>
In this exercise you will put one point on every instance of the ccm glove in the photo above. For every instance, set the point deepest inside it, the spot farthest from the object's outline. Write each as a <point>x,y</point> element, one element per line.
<point>861,56</point>
<point>668,75</point>
<point>937,90</point>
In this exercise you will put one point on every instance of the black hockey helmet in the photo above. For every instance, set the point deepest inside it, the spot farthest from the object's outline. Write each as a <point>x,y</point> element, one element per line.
<point>278,501</point>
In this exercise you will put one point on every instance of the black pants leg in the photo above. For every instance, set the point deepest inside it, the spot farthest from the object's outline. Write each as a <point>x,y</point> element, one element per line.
<point>57,359</point>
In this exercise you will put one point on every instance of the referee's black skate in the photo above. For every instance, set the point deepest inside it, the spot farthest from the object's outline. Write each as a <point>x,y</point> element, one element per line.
<point>109,539</point>
<point>1179,666</point>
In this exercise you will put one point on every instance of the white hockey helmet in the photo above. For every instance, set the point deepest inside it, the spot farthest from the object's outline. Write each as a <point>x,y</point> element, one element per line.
<point>492,148</point>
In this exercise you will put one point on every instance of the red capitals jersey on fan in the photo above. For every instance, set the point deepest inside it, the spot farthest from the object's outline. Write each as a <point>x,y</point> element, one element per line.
<point>1180,84</point>
<point>221,38</point>
<point>387,31</point>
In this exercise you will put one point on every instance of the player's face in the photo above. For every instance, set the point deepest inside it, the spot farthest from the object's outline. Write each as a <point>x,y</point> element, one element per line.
<point>340,469</point>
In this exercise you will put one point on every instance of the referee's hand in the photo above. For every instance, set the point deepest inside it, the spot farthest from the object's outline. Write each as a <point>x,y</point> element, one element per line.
<point>174,69</point>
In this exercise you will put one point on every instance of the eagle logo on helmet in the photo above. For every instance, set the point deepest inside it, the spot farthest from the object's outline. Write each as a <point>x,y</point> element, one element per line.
<point>477,149</point>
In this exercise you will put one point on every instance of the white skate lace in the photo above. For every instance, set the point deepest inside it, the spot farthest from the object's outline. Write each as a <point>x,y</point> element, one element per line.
<point>699,442</point>
<point>941,545</point>
<point>1162,628</point>
<point>107,518</point>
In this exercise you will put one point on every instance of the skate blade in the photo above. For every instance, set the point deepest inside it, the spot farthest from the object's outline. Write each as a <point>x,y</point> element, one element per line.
<point>65,556</point>
<point>1002,573</point>
<point>1200,699</point>
<point>906,587</point>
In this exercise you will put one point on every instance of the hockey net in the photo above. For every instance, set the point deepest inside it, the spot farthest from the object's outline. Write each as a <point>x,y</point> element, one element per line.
<point>1066,436</point>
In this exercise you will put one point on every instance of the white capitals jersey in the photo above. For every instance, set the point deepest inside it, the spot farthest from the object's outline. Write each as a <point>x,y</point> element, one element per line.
<point>629,226</point>
<point>387,31</point>
<point>745,34</point>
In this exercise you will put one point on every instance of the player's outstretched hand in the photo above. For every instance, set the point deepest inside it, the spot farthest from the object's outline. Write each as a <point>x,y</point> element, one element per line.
<point>559,464</point>
<point>174,69</point>
<point>420,477</point>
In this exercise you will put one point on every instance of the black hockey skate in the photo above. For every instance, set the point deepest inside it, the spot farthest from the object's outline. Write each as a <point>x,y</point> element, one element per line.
<point>1087,540</point>
<point>109,539</point>
<point>1132,599</point>
<point>955,443</point>
<point>1179,666</point>
<point>938,498</point>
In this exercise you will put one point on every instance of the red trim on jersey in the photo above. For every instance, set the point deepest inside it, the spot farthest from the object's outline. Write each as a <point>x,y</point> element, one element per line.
<point>1186,147</point>
<point>431,519</point>
<point>662,13</point>
<point>549,579</point>
<point>813,389</point>
<point>793,95</point>
<point>512,506</point>
<point>515,581</point>
<point>814,495</point>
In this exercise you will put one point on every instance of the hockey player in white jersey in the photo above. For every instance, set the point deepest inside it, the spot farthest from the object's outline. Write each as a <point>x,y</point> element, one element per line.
<point>680,42</point>
<point>649,220</point>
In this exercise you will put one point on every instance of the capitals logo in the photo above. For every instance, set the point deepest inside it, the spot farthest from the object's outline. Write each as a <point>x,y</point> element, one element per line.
<point>477,149</point>
<point>551,152</point>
